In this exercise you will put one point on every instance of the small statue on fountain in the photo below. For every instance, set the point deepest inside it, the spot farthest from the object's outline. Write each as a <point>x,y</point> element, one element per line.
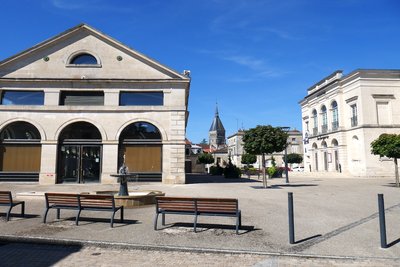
<point>123,170</point>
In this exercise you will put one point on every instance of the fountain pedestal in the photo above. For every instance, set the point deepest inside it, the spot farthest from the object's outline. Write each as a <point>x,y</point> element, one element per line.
<point>123,182</point>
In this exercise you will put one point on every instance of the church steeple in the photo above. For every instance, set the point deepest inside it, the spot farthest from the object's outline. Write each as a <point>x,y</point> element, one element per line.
<point>217,131</point>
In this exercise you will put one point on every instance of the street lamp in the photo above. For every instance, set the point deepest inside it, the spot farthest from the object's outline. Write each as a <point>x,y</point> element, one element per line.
<point>286,130</point>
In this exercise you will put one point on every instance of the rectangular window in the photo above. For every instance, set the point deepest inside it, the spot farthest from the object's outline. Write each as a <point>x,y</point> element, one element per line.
<point>354,121</point>
<point>81,98</point>
<point>22,98</point>
<point>141,99</point>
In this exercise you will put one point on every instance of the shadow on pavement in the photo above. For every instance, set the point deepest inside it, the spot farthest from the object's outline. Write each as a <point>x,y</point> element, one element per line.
<point>204,178</point>
<point>390,185</point>
<point>34,255</point>
<point>281,186</point>
<point>393,243</point>
<point>202,227</point>
<point>117,222</point>
<point>18,215</point>
<point>306,239</point>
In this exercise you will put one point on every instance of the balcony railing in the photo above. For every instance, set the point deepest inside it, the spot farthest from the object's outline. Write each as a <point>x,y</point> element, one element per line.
<point>315,131</point>
<point>354,121</point>
<point>324,128</point>
<point>335,125</point>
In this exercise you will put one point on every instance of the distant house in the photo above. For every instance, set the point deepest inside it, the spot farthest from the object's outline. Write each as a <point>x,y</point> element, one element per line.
<point>343,114</point>
<point>77,106</point>
<point>236,150</point>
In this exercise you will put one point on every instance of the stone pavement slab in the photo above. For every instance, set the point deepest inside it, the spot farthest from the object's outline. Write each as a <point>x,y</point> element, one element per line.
<point>341,215</point>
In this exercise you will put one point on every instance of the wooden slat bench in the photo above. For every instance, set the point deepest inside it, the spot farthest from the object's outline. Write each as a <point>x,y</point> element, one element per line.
<point>7,200</point>
<point>80,202</point>
<point>227,207</point>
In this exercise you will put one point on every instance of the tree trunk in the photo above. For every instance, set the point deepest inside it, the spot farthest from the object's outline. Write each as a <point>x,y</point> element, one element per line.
<point>263,171</point>
<point>396,171</point>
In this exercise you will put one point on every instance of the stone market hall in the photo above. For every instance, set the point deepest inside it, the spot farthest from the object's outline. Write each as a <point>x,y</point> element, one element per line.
<point>74,106</point>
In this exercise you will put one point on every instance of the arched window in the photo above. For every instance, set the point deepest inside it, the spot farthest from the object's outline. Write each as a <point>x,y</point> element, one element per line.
<point>141,144</point>
<point>20,131</point>
<point>80,131</point>
<point>315,122</point>
<point>335,116</point>
<point>20,149</point>
<point>84,59</point>
<point>323,144</point>
<point>334,143</point>
<point>324,126</point>
<point>139,131</point>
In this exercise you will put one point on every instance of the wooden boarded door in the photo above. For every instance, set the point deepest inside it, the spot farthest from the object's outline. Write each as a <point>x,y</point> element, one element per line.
<point>143,158</point>
<point>20,158</point>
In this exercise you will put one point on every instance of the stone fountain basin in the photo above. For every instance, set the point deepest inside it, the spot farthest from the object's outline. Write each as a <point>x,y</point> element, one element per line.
<point>136,198</point>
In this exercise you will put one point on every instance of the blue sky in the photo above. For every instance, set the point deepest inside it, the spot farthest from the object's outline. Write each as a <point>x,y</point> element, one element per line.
<point>255,58</point>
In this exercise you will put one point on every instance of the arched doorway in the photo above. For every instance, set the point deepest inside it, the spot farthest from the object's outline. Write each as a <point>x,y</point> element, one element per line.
<point>335,146</point>
<point>325,155</point>
<point>79,153</point>
<point>20,152</point>
<point>315,150</point>
<point>141,144</point>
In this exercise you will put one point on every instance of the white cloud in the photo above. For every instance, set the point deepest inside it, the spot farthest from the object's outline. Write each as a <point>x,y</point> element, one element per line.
<point>88,5</point>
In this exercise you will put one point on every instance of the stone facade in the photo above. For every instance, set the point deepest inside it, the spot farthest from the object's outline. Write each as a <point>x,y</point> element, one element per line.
<point>342,115</point>
<point>48,67</point>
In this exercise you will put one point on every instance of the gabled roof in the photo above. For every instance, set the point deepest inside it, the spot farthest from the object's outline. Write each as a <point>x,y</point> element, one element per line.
<point>84,27</point>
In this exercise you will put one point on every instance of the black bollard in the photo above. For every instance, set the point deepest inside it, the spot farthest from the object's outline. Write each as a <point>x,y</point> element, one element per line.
<point>291,218</point>
<point>382,221</point>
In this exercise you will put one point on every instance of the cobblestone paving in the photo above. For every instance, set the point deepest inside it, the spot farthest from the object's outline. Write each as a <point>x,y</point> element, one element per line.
<point>33,255</point>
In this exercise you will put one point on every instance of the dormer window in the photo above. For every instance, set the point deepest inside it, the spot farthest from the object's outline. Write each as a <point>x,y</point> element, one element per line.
<point>83,59</point>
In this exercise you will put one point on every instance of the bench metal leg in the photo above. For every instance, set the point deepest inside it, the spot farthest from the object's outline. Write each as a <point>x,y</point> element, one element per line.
<point>45,215</point>
<point>9,212</point>
<point>238,222</point>
<point>163,219</point>
<point>112,219</point>
<point>58,213</point>
<point>23,208</point>
<point>122,214</point>
<point>155,221</point>
<point>77,217</point>
<point>195,223</point>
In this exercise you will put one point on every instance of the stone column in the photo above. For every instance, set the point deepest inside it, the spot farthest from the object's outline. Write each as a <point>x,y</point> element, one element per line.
<point>109,162</point>
<point>48,163</point>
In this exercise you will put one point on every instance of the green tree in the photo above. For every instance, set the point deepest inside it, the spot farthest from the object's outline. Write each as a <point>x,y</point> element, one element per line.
<point>388,145</point>
<point>294,158</point>
<point>264,140</point>
<point>248,159</point>
<point>206,158</point>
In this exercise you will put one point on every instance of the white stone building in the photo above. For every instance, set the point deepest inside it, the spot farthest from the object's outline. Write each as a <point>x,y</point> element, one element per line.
<point>236,150</point>
<point>74,106</point>
<point>343,114</point>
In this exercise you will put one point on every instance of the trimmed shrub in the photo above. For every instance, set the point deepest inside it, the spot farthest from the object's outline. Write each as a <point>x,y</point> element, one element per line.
<point>216,170</point>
